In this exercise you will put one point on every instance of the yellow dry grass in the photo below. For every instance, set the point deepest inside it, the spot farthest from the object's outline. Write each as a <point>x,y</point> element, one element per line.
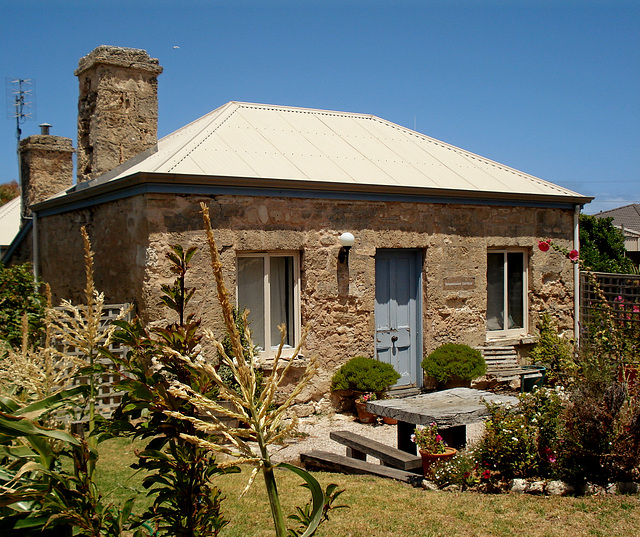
<point>384,508</point>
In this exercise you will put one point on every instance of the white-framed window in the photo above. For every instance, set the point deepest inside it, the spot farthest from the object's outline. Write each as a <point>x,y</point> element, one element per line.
<point>268,285</point>
<point>507,290</point>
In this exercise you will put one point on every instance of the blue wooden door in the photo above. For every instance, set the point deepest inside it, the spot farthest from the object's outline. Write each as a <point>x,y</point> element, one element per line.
<point>397,313</point>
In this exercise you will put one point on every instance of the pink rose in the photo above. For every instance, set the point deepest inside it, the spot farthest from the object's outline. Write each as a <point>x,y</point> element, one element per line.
<point>573,255</point>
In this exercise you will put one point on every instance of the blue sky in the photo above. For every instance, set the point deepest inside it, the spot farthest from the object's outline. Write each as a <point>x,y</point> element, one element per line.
<point>548,87</point>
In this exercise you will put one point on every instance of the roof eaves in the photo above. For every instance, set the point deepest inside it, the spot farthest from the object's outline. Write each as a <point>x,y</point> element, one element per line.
<point>126,187</point>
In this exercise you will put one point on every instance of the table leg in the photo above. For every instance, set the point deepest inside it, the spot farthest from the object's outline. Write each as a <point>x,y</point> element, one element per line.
<point>405,430</point>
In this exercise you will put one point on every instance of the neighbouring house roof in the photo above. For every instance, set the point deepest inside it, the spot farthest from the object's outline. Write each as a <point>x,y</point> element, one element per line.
<point>627,217</point>
<point>9,222</point>
<point>257,146</point>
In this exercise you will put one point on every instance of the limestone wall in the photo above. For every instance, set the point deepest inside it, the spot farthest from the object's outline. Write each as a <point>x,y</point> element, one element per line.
<point>131,239</point>
<point>118,233</point>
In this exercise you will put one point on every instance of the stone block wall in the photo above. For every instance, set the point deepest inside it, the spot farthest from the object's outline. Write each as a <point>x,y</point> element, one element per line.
<point>131,238</point>
<point>117,108</point>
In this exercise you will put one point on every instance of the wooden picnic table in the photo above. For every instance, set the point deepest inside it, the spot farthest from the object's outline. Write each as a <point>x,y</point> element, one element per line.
<point>452,410</point>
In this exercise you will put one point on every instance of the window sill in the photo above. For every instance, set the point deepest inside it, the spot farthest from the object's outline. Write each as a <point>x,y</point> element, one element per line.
<point>266,363</point>
<point>510,340</point>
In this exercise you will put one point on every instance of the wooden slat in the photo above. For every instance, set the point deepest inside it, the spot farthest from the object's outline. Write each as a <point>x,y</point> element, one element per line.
<point>332,462</point>
<point>387,454</point>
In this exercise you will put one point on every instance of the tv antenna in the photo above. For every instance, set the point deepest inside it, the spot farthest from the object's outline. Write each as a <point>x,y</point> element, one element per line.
<point>21,94</point>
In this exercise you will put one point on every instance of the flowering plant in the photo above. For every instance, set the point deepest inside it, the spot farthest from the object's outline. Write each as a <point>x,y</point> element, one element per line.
<point>366,397</point>
<point>428,439</point>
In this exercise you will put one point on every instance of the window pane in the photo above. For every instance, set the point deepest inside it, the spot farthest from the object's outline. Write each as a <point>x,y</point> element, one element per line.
<point>495,291</point>
<point>281,291</point>
<point>515,290</point>
<point>251,295</point>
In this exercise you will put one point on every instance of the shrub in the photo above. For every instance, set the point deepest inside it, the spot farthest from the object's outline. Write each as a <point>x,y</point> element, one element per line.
<point>461,471</point>
<point>365,375</point>
<point>601,435</point>
<point>509,443</point>
<point>454,361</point>
<point>522,441</point>
<point>19,296</point>
<point>554,353</point>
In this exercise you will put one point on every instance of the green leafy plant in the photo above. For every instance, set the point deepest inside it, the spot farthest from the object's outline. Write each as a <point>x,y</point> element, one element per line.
<point>508,445</point>
<point>600,435</point>
<point>19,295</point>
<point>186,503</point>
<point>366,397</point>
<point>454,361</point>
<point>304,515</point>
<point>428,439</point>
<point>263,422</point>
<point>554,352</point>
<point>461,471</point>
<point>602,246</point>
<point>365,375</point>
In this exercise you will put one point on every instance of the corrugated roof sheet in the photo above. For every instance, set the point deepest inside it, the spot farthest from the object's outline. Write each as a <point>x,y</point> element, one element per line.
<point>9,221</point>
<point>299,144</point>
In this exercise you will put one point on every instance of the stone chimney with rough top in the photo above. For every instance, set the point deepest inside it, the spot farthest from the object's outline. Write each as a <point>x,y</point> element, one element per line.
<point>46,168</point>
<point>117,108</point>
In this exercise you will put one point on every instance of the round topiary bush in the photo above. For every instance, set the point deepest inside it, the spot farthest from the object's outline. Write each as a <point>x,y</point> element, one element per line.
<point>365,375</point>
<point>454,361</point>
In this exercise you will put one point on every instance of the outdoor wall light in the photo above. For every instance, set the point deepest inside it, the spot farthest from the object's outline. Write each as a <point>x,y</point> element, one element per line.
<point>346,241</point>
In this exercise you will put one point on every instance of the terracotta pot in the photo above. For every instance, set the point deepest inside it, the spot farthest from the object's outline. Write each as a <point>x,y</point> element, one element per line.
<point>429,458</point>
<point>390,421</point>
<point>363,415</point>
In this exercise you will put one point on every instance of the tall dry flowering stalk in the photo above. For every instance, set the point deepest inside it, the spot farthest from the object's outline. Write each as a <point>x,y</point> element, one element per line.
<point>81,327</point>
<point>264,422</point>
<point>35,372</point>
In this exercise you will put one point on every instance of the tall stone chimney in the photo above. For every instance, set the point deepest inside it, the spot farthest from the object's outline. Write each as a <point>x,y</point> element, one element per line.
<point>46,168</point>
<point>117,108</point>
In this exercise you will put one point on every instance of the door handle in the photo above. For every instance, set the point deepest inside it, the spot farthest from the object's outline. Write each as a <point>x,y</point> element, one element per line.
<point>394,338</point>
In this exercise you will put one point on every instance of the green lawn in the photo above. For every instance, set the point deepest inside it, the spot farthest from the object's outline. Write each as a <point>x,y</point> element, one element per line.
<point>385,508</point>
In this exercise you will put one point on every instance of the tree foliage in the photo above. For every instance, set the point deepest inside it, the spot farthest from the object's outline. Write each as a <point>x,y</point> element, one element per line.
<point>19,296</point>
<point>8,191</point>
<point>602,246</point>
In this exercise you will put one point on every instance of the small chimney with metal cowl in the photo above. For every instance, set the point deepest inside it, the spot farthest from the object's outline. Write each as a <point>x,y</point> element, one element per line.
<point>46,168</point>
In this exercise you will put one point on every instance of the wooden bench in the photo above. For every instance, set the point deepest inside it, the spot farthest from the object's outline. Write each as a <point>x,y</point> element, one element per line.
<point>358,447</point>
<point>332,462</point>
<point>502,364</point>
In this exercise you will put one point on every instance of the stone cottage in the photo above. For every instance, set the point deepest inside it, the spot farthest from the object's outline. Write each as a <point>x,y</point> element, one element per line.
<point>444,241</point>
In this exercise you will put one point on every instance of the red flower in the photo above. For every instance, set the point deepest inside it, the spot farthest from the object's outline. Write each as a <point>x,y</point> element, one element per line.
<point>543,245</point>
<point>573,255</point>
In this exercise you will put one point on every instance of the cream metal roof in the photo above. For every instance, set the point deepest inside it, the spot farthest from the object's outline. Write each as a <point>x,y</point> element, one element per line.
<point>305,145</point>
<point>9,221</point>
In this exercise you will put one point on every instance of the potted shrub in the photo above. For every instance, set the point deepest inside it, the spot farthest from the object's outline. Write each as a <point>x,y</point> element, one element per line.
<point>431,446</point>
<point>362,375</point>
<point>361,407</point>
<point>454,363</point>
